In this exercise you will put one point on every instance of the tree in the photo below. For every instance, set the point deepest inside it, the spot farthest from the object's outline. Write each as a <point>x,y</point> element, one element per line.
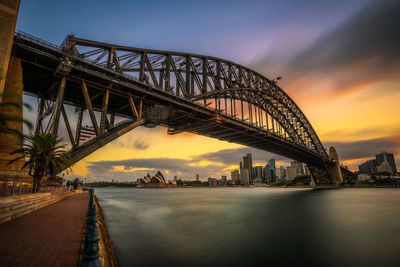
<point>75,183</point>
<point>43,154</point>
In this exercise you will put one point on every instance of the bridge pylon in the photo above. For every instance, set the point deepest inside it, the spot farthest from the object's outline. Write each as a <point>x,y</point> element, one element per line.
<point>335,170</point>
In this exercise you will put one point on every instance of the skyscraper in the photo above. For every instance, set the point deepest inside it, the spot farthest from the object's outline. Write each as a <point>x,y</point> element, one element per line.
<point>244,176</point>
<point>290,173</point>
<point>235,177</point>
<point>368,167</point>
<point>298,166</point>
<point>271,164</point>
<point>197,177</point>
<point>258,173</point>
<point>250,160</point>
<point>386,157</point>
<point>280,173</point>
<point>246,169</point>
<point>267,174</point>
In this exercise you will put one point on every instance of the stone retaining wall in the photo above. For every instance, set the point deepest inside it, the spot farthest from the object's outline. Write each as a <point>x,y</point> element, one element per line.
<point>105,245</point>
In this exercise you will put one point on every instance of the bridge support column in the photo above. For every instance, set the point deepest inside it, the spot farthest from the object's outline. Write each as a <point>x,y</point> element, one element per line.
<point>335,170</point>
<point>8,20</point>
<point>8,142</point>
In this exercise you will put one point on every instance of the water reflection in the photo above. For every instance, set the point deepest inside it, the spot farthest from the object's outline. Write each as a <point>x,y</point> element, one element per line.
<point>253,226</point>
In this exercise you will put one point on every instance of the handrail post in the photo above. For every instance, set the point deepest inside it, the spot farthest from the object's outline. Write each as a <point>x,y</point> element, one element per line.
<point>91,256</point>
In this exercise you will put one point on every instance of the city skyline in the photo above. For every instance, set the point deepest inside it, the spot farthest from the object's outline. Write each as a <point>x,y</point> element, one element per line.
<point>354,113</point>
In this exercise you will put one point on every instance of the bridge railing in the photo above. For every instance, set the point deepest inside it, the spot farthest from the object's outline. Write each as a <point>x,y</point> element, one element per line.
<point>36,39</point>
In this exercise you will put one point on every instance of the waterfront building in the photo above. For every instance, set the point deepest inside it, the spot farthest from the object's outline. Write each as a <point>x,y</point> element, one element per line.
<point>175,178</point>
<point>197,178</point>
<point>386,157</point>
<point>250,159</point>
<point>267,174</point>
<point>244,177</point>
<point>258,172</point>
<point>384,167</point>
<point>157,181</point>
<point>246,167</point>
<point>271,164</point>
<point>363,177</point>
<point>290,173</point>
<point>280,173</point>
<point>224,180</point>
<point>298,166</point>
<point>212,181</point>
<point>235,177</point>
<point>368,167</point>
<point>373,166</point>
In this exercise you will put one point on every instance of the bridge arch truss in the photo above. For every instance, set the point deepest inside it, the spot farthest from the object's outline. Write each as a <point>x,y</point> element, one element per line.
<point>199,78</point>
<point>182,91</point>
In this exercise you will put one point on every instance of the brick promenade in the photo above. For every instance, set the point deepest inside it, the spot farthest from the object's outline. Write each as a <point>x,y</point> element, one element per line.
<point>50,236</point>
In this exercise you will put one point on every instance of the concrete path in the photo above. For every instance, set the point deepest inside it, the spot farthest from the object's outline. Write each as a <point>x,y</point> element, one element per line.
<point>50,236</point>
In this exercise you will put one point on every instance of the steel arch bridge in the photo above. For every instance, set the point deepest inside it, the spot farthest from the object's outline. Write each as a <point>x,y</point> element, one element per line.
<point>185,92</point>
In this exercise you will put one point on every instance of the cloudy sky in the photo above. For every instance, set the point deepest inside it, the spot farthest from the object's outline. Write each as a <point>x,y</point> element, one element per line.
<point>339,59</point>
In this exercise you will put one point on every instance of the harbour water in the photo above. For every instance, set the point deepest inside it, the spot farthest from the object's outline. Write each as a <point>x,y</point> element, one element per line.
<point>253,226</point>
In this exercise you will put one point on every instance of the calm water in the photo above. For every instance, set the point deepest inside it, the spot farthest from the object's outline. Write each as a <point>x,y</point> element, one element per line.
<point>253,226</point>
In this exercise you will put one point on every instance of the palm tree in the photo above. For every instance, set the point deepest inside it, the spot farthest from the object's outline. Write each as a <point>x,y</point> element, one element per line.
<point>5,117</point>
<point>44,154</point>
<point>75,183</point>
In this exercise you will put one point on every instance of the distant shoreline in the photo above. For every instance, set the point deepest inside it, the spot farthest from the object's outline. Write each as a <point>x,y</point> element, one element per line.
<point>252,186</point>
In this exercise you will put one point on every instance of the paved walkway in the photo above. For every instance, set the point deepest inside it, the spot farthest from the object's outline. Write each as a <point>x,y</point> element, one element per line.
<point>50,236</point>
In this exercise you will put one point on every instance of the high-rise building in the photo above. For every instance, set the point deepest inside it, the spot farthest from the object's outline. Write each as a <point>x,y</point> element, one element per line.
<point>197,177</point>
<point>298,166</point>
<point>175,178</point>
<point>280,173</point>
<point>267,174</point>
<point>386,157</point>
<point>384,167</point>
<point>258,172</point>
<point>235,177</point>
<point>250,162</point>
<point>368,167</point>
<point>290,173</point>
<point>271,164</point>
<point>223,177</point>
<point>244,177</point>
<point>246,164</point>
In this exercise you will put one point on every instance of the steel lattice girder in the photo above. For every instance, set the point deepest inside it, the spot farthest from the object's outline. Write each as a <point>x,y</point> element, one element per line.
<point>181,79</point>
<point>204,76</point>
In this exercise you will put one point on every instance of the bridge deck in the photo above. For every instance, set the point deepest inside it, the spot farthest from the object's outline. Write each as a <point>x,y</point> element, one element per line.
<point>40,62</point>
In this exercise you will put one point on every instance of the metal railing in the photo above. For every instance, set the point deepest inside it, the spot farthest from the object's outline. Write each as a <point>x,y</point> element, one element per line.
<point>35,39</point>
<point>91,255</point>
<point>9,187</point>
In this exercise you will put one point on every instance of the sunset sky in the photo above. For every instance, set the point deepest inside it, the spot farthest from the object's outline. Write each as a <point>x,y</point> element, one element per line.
<point>340,62</point>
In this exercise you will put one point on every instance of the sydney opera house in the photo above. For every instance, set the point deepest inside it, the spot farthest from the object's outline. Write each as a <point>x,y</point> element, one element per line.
<point>156,181</point>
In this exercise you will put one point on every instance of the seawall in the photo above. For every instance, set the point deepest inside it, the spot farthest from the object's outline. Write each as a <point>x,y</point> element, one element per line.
<point>106,250</point>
